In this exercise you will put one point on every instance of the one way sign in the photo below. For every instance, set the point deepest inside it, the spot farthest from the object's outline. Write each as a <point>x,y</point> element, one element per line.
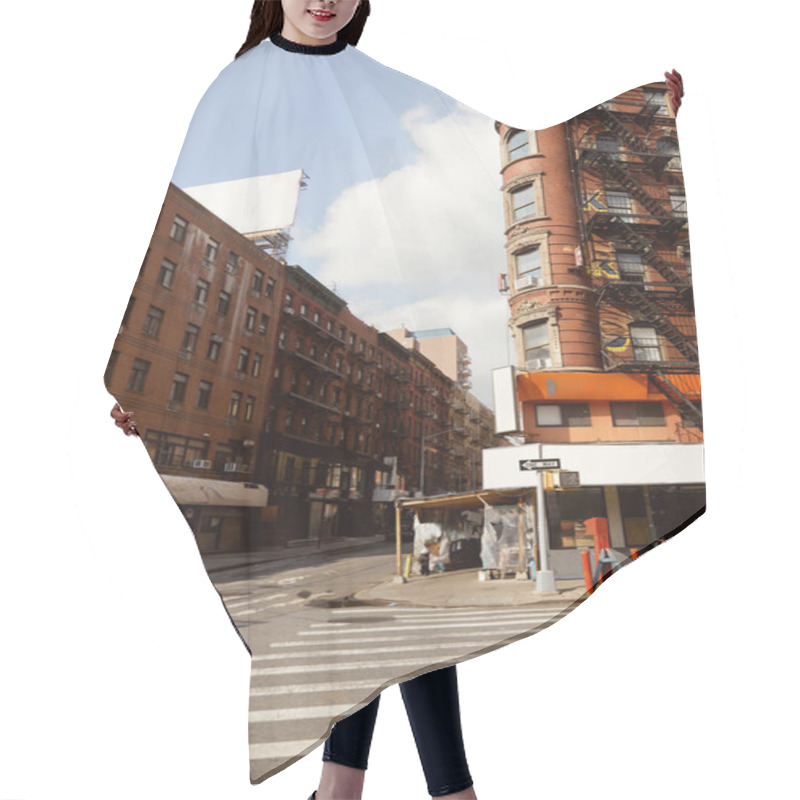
<point>532,464</point>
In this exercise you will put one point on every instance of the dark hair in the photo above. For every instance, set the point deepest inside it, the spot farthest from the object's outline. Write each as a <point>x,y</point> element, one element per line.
<point>266,18</point>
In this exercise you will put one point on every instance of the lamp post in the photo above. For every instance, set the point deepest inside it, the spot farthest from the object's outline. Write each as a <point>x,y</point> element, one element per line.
<point>422,456</point>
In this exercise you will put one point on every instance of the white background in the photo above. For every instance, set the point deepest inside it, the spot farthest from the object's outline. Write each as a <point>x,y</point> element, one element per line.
<point>121,676</point>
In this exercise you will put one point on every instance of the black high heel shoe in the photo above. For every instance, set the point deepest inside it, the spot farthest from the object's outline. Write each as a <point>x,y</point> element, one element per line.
<point>313,795</point>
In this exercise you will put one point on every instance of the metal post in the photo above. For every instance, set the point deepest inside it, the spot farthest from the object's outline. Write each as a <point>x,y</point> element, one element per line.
<point>545,579</point>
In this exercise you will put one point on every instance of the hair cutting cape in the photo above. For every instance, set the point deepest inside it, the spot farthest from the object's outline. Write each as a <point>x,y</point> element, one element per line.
<point>418,380</point>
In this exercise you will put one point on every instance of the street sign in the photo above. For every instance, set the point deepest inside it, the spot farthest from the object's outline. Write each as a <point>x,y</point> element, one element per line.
<point>533,464</point>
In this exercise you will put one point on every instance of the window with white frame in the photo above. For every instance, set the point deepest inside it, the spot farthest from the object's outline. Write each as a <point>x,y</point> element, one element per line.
<point>619,202</point>
<point>536,345</point>
<point>644,341</point>
<point>523,201</point>
<point>528,266</point>
<point>631,267</point>
<point>166,275</point>
<point>678,202</point>
<point>178,229</point>
<point>518,145</point>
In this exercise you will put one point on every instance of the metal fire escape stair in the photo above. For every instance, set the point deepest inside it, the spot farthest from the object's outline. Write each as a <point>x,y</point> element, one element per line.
<point>605,223</point>
<point>635,297</point>
<point>667,219</point>
<point>689,410</point>
<point>657,161</point>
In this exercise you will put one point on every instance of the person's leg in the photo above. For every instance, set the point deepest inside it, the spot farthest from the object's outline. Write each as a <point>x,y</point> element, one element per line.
<point>433,710</point>
<point>345,755</point>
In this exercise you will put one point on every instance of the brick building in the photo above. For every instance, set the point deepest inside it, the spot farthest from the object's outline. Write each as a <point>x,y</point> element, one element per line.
<point>599,287</point>
<point>192,357</point>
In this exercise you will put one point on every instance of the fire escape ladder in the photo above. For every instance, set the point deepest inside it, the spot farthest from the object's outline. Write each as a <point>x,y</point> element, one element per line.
<point>615,125</point>
<point>689,410</point>
<point>645,248</point>
<point>635,297</point>
<point>627,181</point>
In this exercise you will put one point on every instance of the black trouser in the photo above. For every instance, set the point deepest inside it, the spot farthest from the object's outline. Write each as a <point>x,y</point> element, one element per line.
<point>432,706</point>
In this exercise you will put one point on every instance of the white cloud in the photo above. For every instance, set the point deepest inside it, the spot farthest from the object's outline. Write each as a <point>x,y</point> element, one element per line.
<point>424,244</point>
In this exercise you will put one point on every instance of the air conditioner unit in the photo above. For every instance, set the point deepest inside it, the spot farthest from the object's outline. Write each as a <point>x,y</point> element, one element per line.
<point>288,310</point>
<point>231,467</point>
<point>537,363</point>
<point>201,463</point>
<point>528,280</point>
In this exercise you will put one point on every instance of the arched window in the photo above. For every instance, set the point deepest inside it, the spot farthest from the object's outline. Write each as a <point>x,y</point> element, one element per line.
<point>669,147</point>
<point>518,145</point>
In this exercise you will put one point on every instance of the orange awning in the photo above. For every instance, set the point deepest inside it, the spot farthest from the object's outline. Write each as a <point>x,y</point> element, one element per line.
<point>570,386</point>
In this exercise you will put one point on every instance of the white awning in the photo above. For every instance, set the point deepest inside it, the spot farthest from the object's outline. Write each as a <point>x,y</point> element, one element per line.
<point>207,492</point>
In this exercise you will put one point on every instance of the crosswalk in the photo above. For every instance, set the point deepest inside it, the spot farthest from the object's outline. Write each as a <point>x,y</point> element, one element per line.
<point>338,661</point>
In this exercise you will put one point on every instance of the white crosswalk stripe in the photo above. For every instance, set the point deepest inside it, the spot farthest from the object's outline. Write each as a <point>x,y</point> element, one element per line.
<point>331,667</point>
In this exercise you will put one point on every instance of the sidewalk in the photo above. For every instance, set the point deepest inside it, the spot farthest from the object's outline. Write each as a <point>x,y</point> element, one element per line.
<point>462,588</point>
<point>442,590</point>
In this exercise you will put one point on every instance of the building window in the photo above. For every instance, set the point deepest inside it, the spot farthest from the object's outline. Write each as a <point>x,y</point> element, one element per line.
<point>657,98</point>
<point>288,301</point>
<point>214,346</point>
<point>201,292</point>
<point>678,203</point>
<point>204,394</point>
<point>258,281</point>
<point>644,341</point>
<point>138,376</point>
<point>255,370</point>
<point>270,290</point>
<point>282,338</point>
<point>688,420</point>
<point>303,309</point>
<point>565,415</point>
<point>249,408</point>
<point>190,338</point>
<point>177,394</point>
<point>152,324</point>
<point>250,319</point>
<point>178,229</point>
<point>528,263</point>
<point>300,345</point>
<point>641,414</point>
<point>243,361</point>
<point>212,249</point>
<point>223,303</point>
<point>167,273</point>
<point>536,343</point>
<point>235,405</point>
<point>316,317</point>
<point>608,143</point>
<point>631,267</point>
<point>352,341</point>
<point>263,326</point>
<point>619,202</point>
<point>523,202</point>
<point>518,145</point>
<point>233,263</point>
<point>669,147</point>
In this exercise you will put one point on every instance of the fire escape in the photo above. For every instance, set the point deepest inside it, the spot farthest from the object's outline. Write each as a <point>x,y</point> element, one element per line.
<point>657,303</point>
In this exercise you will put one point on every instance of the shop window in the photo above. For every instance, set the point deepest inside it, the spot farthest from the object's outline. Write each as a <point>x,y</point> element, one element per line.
<point>564,415</point>
<point>641,414</point>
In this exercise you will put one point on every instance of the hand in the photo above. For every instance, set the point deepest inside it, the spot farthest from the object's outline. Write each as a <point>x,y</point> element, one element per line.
<point>675,84</point>
<point>124,420</point>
